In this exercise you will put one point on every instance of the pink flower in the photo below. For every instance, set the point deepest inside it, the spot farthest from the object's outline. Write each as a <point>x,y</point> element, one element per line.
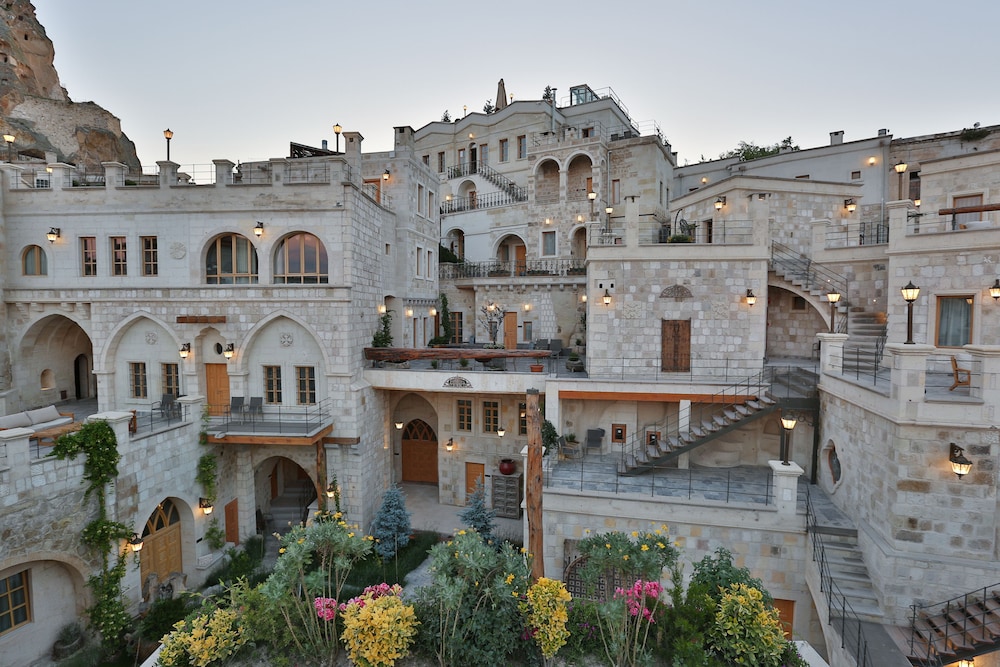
<point>326,608</point>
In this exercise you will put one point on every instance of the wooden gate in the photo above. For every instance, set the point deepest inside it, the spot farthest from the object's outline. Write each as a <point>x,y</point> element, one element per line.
<point>420,453</point>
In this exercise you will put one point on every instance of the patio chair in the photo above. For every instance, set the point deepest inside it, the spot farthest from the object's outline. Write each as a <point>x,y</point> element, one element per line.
<point>595,438</point>
<point>256,407</point>
<point>168,407</point>
<point>569,450</point>
<point>235,407</point>
<point>962,377</point>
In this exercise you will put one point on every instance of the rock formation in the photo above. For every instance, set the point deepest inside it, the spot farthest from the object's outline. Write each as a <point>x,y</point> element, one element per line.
<point>36,109</point>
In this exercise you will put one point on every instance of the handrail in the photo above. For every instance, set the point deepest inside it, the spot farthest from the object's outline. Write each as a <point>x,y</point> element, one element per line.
<point>936,644</point>
<point>811,275</point>
<point>849,621</point>
<point>507,186</point>
<point>498,269</point>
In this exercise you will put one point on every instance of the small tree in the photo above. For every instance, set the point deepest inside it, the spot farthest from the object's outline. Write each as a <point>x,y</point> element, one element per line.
<point>489,107</point>
<point>446,117</point>
<point>476,515</point>
<point>718,573</point>
<point>447,327</point>
<point>548,94</point>
<point>550,437</point>
<point>391,528</point>
<point>383,335</point>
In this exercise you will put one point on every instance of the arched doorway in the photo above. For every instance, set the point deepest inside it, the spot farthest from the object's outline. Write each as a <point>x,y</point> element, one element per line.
<point>81,376</point>
<point>286,494</point>
<point>161,543</point>
<point>420,446</point>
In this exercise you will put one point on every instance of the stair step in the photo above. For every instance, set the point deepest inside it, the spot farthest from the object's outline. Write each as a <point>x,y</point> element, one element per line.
<point>766,400</point>
<point>731,415</point>
<point>743,410</point>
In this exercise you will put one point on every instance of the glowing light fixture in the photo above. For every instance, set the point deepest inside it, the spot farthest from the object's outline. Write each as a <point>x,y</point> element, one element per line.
<point>850,205</point>
<point>501,431</point>
<point>751,298</point>
<point>54,233</point>
<point>206,505</point>
<point>959,464</point>
<point>229,351</point>
<point>606,298</point>
<point>719,203</point>
<point>185,350</point>
<point>258,230</point>
<point>399,426</point>
<point>995,290</point>
<point>450,445</point>
<point>910,294</point>
<point>385,175</point>
<point>135,543</point>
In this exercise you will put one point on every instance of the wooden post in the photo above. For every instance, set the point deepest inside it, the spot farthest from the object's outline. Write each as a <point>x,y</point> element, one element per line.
<point>533,488</point>
<point>321,481</point>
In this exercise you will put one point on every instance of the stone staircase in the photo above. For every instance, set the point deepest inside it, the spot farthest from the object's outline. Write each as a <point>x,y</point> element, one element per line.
<point>289,509</point>
<point>847,569</point>
<point>866,337</point>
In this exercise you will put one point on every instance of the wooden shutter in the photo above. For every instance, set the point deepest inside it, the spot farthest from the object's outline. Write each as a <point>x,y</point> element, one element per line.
<point>675,343</point>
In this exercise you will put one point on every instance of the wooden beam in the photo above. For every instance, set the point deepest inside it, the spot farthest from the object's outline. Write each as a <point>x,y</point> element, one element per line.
<point>533,489</point>
<point>302,440</point>
<point>651,397</point>
<point>982,208</point>
<point>341,440</point>
<point>201,319</point>
<point>400,354</point>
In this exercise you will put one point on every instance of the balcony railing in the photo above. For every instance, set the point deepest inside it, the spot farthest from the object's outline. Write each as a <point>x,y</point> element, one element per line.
<point>720,232</point>
<point>301,420</point>
<point>498,269</point>
<point>298,172</point>
<point>477,201</point>
<point>858,234</point>
<point>920,223</point>
<point>375,192</point>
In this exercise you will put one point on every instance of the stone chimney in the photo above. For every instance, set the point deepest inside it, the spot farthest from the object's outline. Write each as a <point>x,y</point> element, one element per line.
<point>404,137</point>
<point>883,132</point>
<point>837,138</point>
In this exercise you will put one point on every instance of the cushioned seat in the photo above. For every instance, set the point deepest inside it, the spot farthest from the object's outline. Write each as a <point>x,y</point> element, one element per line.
<point>39,419</point>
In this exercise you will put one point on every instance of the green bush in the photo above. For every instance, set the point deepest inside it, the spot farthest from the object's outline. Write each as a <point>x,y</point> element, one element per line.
<point>240,563</point>
<point>162,615</point>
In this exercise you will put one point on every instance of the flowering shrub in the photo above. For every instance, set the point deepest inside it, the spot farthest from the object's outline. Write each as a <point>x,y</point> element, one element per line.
<point>378,626</point>
<point>547,614</point>
<point>209,638</point>
<point>747,631</point>
<point>326,608</point>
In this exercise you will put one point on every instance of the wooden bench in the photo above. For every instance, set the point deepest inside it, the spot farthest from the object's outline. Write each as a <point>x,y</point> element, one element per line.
<point>962,376</point>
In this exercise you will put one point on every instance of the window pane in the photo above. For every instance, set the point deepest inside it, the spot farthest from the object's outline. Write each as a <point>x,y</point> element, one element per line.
<point>954,321</point>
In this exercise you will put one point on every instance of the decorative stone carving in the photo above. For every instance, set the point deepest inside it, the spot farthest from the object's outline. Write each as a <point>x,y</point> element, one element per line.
<point>286,339</point>
<point>178,250</point>
<point>458,381</point>
<point>676,292</point>
<point>151,338</point>
<point>632,311</point>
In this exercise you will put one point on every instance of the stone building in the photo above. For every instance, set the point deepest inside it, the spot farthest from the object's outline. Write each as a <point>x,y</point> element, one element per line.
<point>697,299</point>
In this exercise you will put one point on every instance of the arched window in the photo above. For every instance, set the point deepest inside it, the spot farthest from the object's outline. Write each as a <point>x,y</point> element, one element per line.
<point>231,260</point>
<point>301,259</point>
<point>34,262</point>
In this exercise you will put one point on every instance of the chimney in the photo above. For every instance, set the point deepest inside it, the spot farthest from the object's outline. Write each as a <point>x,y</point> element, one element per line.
<point>883,132</point>
<point>837,138</point>
<point>324,144</point>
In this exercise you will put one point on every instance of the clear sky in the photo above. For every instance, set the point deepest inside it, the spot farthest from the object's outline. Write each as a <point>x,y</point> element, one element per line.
<point>239,79</point>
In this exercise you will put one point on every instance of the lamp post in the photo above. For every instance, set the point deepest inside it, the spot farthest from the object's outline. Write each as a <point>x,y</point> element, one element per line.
<point>168,135</point>
<point>787,424</point>
<point>910,294</point>
<point>833,297</point>
<point>337,129</point>
<point>9,140</point>
<point>900,167</point>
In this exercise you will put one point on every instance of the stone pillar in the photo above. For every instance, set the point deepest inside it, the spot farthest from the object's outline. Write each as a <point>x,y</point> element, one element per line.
<point>114,174</point>
<point>243,489</point>
<point>909,375</point>
<point>168,173</point>
<point>278,168</point>
<point>105,386</point>
<point>59,175</point>
<point>831,352</point>
<point>786,480</point>
<point>223,172</point>
<point>15,456</point>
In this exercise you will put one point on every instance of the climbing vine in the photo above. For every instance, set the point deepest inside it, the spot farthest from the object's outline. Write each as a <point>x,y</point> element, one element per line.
<point>97,442</point>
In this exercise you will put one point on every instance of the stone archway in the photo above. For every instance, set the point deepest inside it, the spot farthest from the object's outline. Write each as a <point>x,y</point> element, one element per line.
<point>419,448</point>
<point>161,543</point>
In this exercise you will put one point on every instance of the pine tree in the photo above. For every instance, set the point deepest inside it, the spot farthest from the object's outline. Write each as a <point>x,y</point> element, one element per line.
<point>391,528</point>
<point>476,515</point>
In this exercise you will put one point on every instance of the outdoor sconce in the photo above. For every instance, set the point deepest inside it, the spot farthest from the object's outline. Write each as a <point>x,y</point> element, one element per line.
<point>850,205</point>
<point>527,307</point>
<point>995,290</point>
<point>833,297</point>
<point>916,202</point>
<point>205,505</point>
<point>910,294</point>
<point>788,422</point>
<point>54,233</point>
<point>583,298</point>
<point>609,209</point>
<point>966,663</point>
<point>385,175</point>
<point>259,229</point>
<point>959,464</point>
<point>229,351</point>
<point>751,298</point>
<point>185,350</point>
<point>450,445</point>
<point>331,490</point>
<point>135,543</point>
<point>433,312</point>
<point>871,161</point>
<point>591,195</point>
<point>606,298</point>
<point>409,312</point>
<point>381,309</point>
<point>399,426</point>
<point>719,203</point>
<point>704,179</point>
<point>501,431</point>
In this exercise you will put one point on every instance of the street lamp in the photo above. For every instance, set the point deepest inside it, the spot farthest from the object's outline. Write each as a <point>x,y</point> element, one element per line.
<point>168,135</point>
<point>337,129</point>
<point>833,297</point>
<point>9,139</point>
<point>900,167</point>
<point>787,424</point>
<point>910,294</point>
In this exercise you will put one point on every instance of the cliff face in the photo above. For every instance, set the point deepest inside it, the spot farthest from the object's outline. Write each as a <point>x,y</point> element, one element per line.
<point>37,110</point>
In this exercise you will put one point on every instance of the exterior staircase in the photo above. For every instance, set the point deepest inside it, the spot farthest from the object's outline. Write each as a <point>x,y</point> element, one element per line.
<point>291,507</point>
<point>729,410</point>
<point>956,629</point>
<point>848,571</point>
<point>866,341</point>
<point>801,271</point>
<point>514,191</point>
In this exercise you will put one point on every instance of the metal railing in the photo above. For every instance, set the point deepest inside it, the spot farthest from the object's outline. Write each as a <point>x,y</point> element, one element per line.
<point>862,363</point>
<point>272,419</point>
<point>375,192</point>
<point>477,201</point>
<point>858,234</point>
<point>498,269</point>
<point>926,223</point>
<point>721,232</point>
<point>800,270</point>
<point>156,417</point>
<point>846,621</point>
<point>298,172</point>
<point>946,626</point>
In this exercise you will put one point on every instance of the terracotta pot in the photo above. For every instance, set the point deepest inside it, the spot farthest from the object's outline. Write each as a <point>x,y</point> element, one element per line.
<point>537,368</point>
<point>507,466</point>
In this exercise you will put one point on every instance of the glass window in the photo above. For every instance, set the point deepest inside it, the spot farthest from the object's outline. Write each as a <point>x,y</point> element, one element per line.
<point>272,384</point>
<point>463,415</point>
<point>963,202</point>
<point>954,320</point>
<point>522,420</point>
<point>300,259</point>
<point>119,257</point>
<point>441,162</point>
<point>137,379</point>
<point>426,160</point>
<point>616,191</point>
<point>526,332</point>
<point>420,199</point>
<point>484,153</point>
<point>88,255</point>
<point>15,601</point>
<point>548,243</point>
<point>306,378</point>
<point>457,336</point>
<point>231,260</point>
<point>150,259</point>
<point>34,261</point>
<point>504,150</point>
<point>171,379</point>
<point>522,147</point>
<point>491,416</point>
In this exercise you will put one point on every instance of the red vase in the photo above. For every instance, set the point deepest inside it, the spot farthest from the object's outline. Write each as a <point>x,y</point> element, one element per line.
<point>507,466</point>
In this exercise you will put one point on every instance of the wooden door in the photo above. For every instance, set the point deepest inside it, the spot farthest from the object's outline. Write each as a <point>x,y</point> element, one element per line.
<point>233,521</point>
<point>510,330</point>
<point>217,388</point>
<point>161,543</point>
<point>675,342</point>
<point>474,472</point>
<point>786,612</point>
<point>419,448</point>
<point>521,259</point>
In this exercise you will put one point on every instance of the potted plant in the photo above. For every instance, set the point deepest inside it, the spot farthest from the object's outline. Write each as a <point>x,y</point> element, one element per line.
<point>536,368</point>
<point>463,362</point>
<point>573,362</point>
<point>507,466</point>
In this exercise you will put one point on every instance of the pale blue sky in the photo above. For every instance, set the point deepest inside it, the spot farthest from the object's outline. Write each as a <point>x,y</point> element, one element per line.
<point>239,79</point>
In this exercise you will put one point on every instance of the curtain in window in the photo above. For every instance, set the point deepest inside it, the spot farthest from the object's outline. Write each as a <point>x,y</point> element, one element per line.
<point>954,321</point>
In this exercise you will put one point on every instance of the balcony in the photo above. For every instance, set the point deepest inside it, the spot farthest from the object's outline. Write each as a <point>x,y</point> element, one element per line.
<point>532,268</point>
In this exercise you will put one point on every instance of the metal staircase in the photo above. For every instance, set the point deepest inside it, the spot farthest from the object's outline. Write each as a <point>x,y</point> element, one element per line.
<point>488,173</point>
<point>724,412</point>
<point>956,629</point>
<point>802,272</point>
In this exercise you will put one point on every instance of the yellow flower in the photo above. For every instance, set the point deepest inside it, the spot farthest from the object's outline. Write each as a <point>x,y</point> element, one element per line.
<point>350,534</point>
<point>607,545</point>
<point>661,545</point>
<point>523,550</point>
<point>461,532</point>
<point>509,579</point>
<point>281,550</point>
<point>625,557</point>
<point>645,547</point>
<point>635,533</point>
